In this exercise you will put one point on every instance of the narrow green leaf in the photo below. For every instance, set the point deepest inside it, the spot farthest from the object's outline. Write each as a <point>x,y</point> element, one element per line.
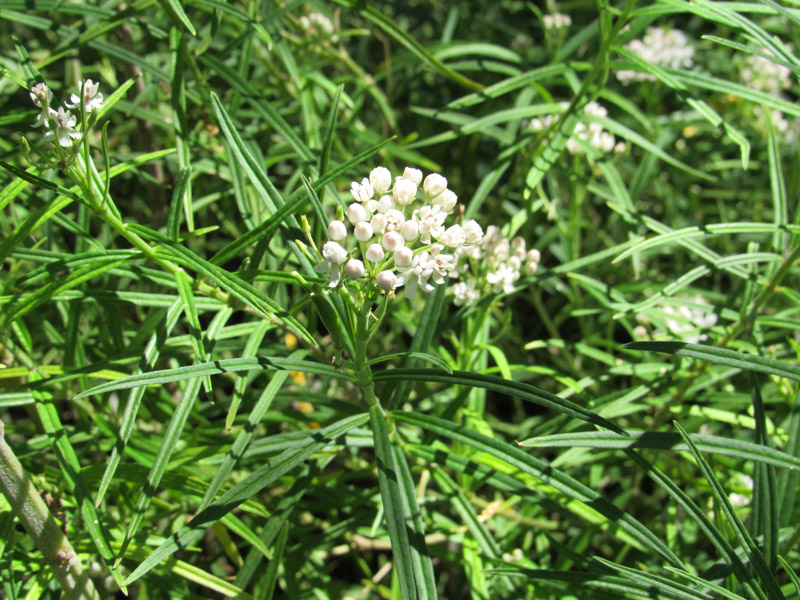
<point>174,8</point>
<point>260,478</point>
<point>765,501</point>
<point>270,581</point>
<point>721,356</point>
<point>499,385</point>
<point>176,205</point>
<point>392,504</point>
<point>656,582</point>
<point>195,329</point>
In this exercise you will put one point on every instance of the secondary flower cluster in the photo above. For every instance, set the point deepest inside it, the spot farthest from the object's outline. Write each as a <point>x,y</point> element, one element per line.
<point>61,125</point>
<point>764,75</point>
<point>685,322</point>
<point>556,21</point>
<point>316,24</point>
<point>589,133</point>
<point>661,47</point>
<point>397,236</point>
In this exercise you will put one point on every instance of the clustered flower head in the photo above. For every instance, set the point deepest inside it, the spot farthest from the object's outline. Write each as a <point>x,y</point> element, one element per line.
<point>556,21</point>
<point>662,47</point>
<point>589,133</point>
<point>685,322</point>
<point>402,232</point>
<point>60,125</point>
<point>316,24</point>
<point>764,75</point>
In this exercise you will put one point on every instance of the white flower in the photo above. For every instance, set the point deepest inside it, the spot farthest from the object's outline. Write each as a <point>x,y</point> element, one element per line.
<point>64,130</point>
<point>362,192</point>
<point>556,21</point>
<point>403,256</point>
<point>317,24</point>
<point>354,268</point>
<point>404,191</point>
<point>443,264</point>
<point>661,47</point>
<point>92,100</point>
<point>410,230</point>
<point>337,230</point>
<point>386,280</point>
<point>416,275</point>
<point>464,293</point>
<point>764,75</point>
<point>447,201</point>
<point>434,185</point>
<point>41,95</point>
<point>414,175</point>
<point>381,179</point>
<point>453,237</point>
<point>333,255</point>
<point>363,231</point>
<point>374,253</point>
<point>431,222</point>
<point>392,241</point>
<point>356,213</point>
<point>391,220</point>
<point>473,234</point>
<point>503,278</point>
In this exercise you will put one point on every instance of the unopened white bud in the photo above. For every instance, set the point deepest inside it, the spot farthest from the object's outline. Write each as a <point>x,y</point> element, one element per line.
<point>414,175</point>
<point>337,230</point>
<point>404,191</point>
<point>374,253</point>
<point>534,256</point>
<point>392,241</point>
<point>447,201</point>
<point>531,268</point>
<point>386,204</point>
<point>386,280</point>
<point>363,231</point>
<point>410,230</point>
<point>381,179</point>
<point>434,185</point>
<point>514,262</point>
<point>354,268</point>
<point>473,234</point>
<point>403,256</point>
<point>356,213</point>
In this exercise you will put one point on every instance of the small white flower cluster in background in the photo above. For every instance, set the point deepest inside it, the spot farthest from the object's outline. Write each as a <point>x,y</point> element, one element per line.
<point>556,21</point>
<point>494,265</point>
<point>661,47</point>
<point>591,133</point>
<point>61,125</point>
<point>316,24</point>
<point>395,234</point>
<point>682,321</point>
<point>764,75</point>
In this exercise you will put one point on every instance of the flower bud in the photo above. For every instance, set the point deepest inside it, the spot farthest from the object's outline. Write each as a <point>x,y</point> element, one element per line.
<point>434,185</point>
<point>386,280</point>
<point>392,241</point>
<point>378,223</point>
<point>531,268</point>
<point>453,237</point>
<point>414,175</point>
<point>514,262</point>
<point>473,234</point>
<point>404,191</point>
<point>533,256</point>
<point>446,201</point>
<point>363,231</point>
<point>386,204</point>
<point>374,253</point>
<point>381,179</point>
<point>410,230</point>
<point>337,231</point>
<point>356,213</point>
<point>354,268</point>
<point>403,256</point>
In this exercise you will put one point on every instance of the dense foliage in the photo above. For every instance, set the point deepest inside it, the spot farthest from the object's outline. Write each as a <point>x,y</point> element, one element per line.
<point>399,300</point>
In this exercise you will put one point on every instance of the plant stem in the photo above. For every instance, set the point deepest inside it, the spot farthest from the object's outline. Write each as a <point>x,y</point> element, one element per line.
<point>30,509</point>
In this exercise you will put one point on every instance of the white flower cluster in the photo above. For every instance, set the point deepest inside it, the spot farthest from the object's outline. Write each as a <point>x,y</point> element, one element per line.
<point>591,133</point>
<point>556,21</point>
<point>316,24</point>
<point>495,264</point>
<point>764,75</point>
<point>661,47</point>
<point>60,125</point>
<point>684,322</point>
<point>398,239</point>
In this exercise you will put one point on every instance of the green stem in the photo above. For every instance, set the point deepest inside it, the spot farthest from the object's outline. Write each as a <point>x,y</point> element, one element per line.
<point>30,509</point>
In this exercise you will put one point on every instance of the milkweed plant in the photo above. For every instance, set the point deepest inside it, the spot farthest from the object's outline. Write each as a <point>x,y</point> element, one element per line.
<point>368,300</point>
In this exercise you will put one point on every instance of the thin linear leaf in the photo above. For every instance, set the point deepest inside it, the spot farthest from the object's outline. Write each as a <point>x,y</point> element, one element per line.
<point>501,386</point>
<point>721,356</point>
<point>227,365</point>
<point>656,582</point>
<point>176,10</point>
<point>666,440</point>
<point>392,503</point>
<point>270,580</point>
<point>245,489</point>
<point>765,575</point>
<point>545,472</point>
<point>184,286</point>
